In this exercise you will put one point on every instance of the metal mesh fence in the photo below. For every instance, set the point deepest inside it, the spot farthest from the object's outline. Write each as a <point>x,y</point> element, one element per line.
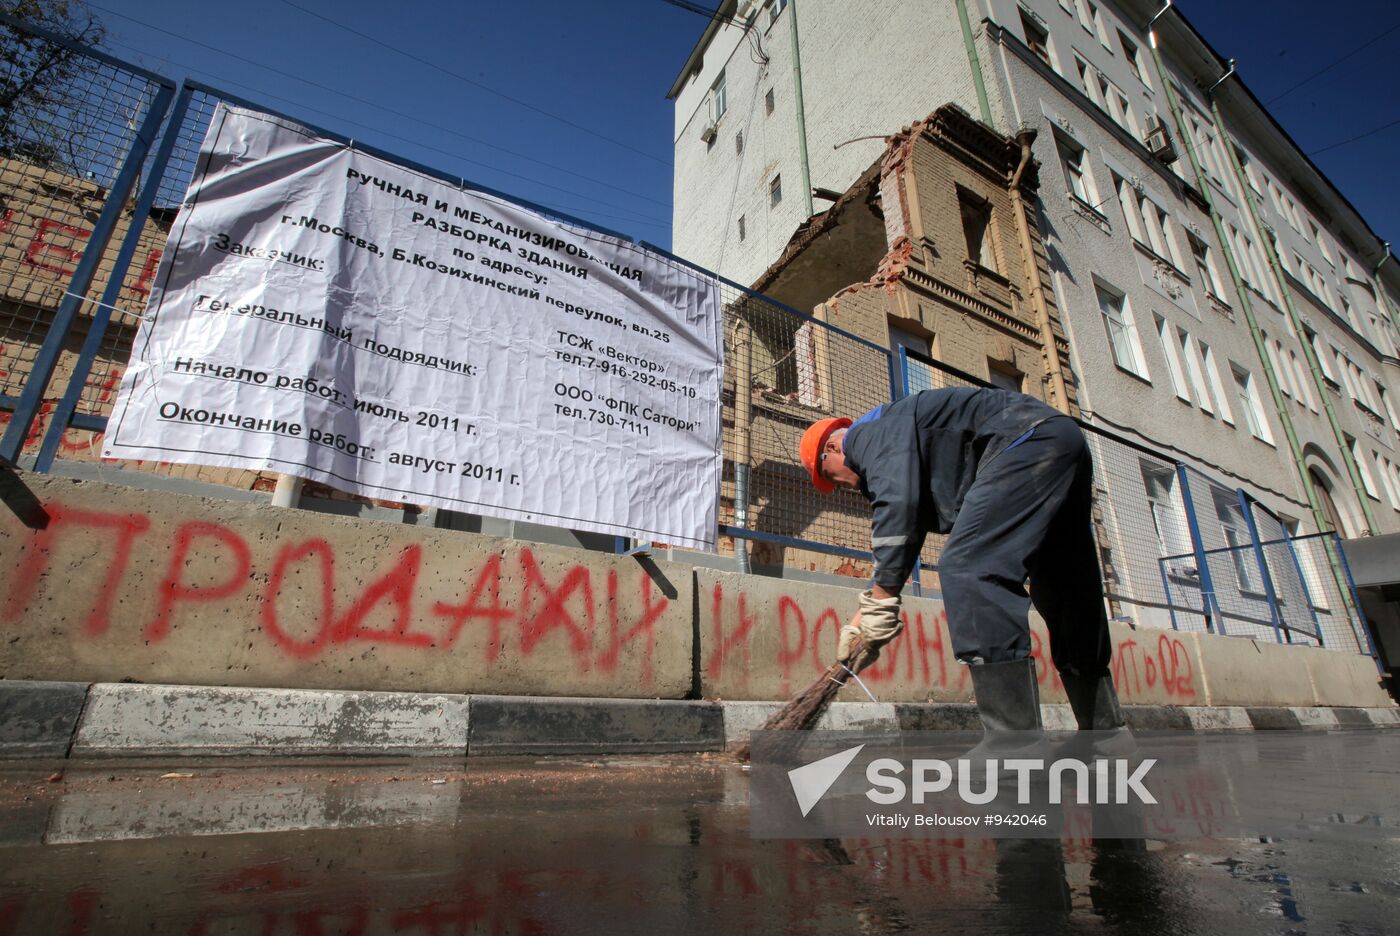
<point>69,117</point>
<point>1137,516</point>
<point>784,371</point>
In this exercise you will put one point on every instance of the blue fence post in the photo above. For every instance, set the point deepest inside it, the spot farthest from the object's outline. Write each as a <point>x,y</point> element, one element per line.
<point>1303,583</point>
<point>1208,599</point>
<point>1269,592</point>
<point>918,578</point>
<point>897,390</point>
<point>1370,647</point>
<point>1167,591</point>
<point>102,317</point>
<point>46,361</point>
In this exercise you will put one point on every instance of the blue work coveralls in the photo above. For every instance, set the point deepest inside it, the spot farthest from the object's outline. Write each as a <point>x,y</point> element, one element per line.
<point>1010,480</point>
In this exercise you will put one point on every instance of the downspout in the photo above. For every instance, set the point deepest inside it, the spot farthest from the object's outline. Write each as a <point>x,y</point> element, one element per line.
<point>1380,287</point>
<point>975,62</point>
<point>801,111</point>
<point>1241,290</point>
<point>1033,282</point>
<point>1309,351</point>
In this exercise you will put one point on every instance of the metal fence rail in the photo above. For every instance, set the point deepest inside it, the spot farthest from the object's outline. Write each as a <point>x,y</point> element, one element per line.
<point>74,132</point>
<point>91,185</point>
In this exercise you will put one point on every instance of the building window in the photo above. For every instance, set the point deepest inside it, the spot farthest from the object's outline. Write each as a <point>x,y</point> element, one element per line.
<point>739,142</point>
<point>977,223</point>
<point>1250,175</point>
<point>1005,378</point>
<point>1037,38</point>
<point>1367,481</point>
<point>1205,267</point>
<point>1386,471</point>
<point>1147,222</point>
<point>1322,246</point>
<point>1133,54</point>
<point>1118,324</point>
<point>1165,331</point>
<point>1168,519</point>
<point>776,10</point>
<point>1301,381</point>
<point>1088,79</point>
<point>1196,371</point>
<point>1387,406</point>
<point>768,103</point>
<point>1232,527</point>
<point>742,228</point>
<point>1076,176</point>
<point>1321,358</point>
<point>719,99</point>
<point>775,191</point>
<point>1249,404</point>
<point>1222,400</point>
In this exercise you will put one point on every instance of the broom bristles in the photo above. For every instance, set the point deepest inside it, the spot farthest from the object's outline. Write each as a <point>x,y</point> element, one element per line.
<point>806,708</point>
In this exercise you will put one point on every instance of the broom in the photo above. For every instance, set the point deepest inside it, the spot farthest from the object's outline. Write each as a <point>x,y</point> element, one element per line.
<point>806,708</point>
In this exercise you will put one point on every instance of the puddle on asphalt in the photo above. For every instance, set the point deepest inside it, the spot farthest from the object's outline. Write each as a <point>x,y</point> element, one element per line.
<point>635,844</point>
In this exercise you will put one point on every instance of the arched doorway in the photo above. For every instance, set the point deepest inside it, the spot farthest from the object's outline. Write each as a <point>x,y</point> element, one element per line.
<point>1329,506</point>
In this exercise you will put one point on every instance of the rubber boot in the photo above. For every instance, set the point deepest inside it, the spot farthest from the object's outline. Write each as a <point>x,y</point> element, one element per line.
<point>1008,703</point>
<point>1095,704</point>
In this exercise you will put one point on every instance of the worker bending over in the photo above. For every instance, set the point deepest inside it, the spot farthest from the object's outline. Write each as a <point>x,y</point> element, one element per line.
<point>1009,479</point>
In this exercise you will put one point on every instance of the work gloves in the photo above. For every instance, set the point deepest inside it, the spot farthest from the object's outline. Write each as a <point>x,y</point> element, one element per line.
<point>879,623</point>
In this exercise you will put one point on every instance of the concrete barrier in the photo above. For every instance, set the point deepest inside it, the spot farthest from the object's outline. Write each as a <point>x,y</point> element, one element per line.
<point>109,584</point>
<point>119,584</point>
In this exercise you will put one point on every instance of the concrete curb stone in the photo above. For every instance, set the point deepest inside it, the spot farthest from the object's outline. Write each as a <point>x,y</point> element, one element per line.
<point>538,725</point>
<point>134,720</point>
<point>45,719</point>
<point>37,718</point>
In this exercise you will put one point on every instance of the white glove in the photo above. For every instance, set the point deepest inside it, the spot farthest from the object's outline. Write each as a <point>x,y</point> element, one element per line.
<point>878,623</point>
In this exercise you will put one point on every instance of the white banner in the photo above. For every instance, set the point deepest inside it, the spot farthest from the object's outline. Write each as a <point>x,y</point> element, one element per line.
<point>329,314</point>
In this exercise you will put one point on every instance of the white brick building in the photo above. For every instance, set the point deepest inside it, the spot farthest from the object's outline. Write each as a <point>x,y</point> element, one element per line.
<point>1283,379</point>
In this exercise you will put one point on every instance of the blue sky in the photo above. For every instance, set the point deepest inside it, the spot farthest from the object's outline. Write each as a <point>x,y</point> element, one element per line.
<point>562,102</point>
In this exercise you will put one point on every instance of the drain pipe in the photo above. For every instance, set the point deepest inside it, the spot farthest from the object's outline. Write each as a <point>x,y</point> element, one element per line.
<point>1309,352</point>
<point>1380,287</point>
<point>1042,310</point>
<point>801,109</point>
<point>976,62</point>
<point>743,437</point>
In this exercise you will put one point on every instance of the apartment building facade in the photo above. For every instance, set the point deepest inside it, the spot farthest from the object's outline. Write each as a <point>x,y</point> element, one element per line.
<point>1222,299</point>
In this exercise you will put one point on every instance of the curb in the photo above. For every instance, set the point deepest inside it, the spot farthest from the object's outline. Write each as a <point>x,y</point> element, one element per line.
<point>56,720</point>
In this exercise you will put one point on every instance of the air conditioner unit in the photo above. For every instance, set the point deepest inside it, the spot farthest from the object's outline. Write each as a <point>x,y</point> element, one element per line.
<point>708,134</point>
<point>1159,141</point>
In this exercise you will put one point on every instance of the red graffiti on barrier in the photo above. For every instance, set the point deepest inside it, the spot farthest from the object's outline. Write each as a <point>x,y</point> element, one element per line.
<point>1136,672</point>
<point>210,563</point>
<point>173,591</point>
<point>39,552</point>
<point>806,638</point>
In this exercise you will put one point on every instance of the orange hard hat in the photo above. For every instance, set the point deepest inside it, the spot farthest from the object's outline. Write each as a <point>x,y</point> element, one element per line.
<point>813,441</point>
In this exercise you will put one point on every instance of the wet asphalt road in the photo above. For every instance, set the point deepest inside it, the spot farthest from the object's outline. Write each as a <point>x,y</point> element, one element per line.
<point>636,845</point>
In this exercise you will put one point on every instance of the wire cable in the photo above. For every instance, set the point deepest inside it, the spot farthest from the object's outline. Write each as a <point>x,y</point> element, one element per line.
<point>476,84</point>
<point>657,223</point>
<point>1334,64</point>
<point>1360,136</point>
<point>368,103</point>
